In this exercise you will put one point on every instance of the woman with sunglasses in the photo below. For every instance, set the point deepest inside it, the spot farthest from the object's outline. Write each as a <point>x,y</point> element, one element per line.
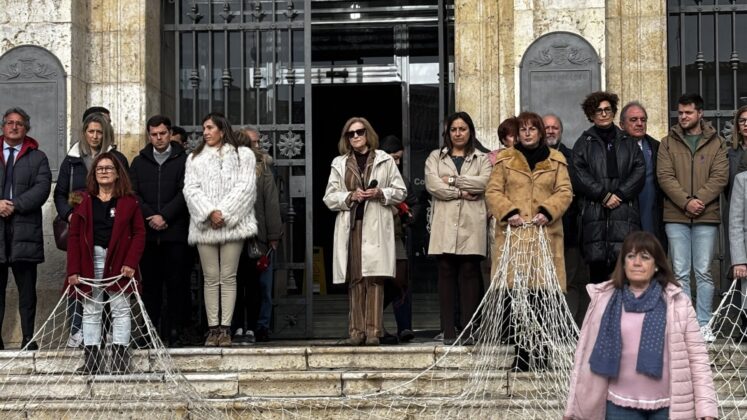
<point>456,177</point>
<point>364,189</point>
<point>106,239</point>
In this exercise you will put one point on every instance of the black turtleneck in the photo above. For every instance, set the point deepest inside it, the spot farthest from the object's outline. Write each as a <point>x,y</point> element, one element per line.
<point>608,136</point>
<point>533,156</point>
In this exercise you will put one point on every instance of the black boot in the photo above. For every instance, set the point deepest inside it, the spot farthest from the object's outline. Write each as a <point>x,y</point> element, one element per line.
<point>521,360</point>
<point>91,361</point>
<point>120,359</point>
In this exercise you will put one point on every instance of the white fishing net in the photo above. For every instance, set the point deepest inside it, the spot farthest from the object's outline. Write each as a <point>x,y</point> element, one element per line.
<point>728,352</point>
<point>512,360</point>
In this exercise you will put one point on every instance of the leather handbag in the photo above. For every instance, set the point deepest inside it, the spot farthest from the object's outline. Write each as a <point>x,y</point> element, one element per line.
<point>60,225</point>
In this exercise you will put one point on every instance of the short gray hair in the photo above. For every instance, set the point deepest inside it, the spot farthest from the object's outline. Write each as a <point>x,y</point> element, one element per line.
<point>22,113</point>
<point>251,129</point>
<point>632,104</point>
<point>560,121</point>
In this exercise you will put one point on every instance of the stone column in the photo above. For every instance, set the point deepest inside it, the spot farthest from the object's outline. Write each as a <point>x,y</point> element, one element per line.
<point>61,27</point>
<point>484,63</point>
<point>637,57</point>
<point>124,66</point>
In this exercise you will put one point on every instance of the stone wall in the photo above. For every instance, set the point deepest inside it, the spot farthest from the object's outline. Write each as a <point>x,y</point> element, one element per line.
<point>492,35</point>
<point>110,51</point>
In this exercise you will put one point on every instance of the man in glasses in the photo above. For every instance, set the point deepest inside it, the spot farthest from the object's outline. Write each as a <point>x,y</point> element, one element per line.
<point>608,174</point>
<point>693,170</point>
<point>26,181</point>
<point>634,122</point>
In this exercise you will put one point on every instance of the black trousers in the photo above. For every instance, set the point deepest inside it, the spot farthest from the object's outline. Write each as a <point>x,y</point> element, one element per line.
<point>398,293</point>
<point>246,309</point>
<point>163,264</point>
<point>462,273</point>
<point>25,275</point>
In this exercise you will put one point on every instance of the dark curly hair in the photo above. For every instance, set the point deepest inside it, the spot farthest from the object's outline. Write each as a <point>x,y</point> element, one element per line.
<point>593,100</point>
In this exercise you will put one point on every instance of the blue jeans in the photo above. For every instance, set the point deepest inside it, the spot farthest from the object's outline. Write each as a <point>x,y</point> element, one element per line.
<point>694,246</point>
<point>93,307</point>
<point>615,412</point>
<point>265,295</point>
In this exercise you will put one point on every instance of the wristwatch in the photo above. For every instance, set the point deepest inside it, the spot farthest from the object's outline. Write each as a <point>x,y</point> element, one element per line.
<point>452,180</point>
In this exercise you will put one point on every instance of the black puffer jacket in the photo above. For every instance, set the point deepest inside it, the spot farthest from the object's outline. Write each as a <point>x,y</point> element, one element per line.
<point>159,188</point>
<point>32,181</point>
<point>73,164</point>
<point>603,230</point>
<point>570,217</point>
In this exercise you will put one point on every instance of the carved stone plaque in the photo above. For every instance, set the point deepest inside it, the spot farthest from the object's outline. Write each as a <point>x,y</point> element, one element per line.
<point>32,78</point>
<point>557,71</point>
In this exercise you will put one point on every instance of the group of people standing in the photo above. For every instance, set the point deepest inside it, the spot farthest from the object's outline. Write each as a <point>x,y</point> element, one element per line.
<point>137,222</point>
<point>610,205</point>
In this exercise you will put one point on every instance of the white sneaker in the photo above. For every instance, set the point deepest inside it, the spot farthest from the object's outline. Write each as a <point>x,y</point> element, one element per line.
<point>75,340</point>
<point>708,336</point>
<point>239,332</point>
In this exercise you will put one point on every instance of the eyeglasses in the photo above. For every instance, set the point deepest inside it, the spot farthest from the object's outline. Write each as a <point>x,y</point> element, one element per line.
<point>637,119</point>
<point>16,123</point>
<point>742,121</point>
<point>104,169</point>
<point>602,111</point>
<point>355,133</point>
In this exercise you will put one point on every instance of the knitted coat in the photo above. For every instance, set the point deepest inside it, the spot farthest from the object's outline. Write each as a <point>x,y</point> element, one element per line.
<point>221,178</point>
<point>691,382</point>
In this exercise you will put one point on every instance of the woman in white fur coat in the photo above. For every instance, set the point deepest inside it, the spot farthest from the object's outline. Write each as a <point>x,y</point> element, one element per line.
<point>220,189</point>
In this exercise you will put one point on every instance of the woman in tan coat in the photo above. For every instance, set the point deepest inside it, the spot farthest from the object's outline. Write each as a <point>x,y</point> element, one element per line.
<point>364,187</point>
<point>530,184</point>
<point>456,177</point>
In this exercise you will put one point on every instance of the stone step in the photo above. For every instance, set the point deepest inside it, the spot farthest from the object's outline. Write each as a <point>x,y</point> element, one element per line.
<point>317,408</point>
<point>414,357</point>
<point>296,384</point>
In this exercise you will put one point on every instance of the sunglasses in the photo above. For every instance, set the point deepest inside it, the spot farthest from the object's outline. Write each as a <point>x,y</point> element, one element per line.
<point>355,133</point>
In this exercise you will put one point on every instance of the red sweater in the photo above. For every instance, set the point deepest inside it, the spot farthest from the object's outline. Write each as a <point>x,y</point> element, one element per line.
<point>125,245</point>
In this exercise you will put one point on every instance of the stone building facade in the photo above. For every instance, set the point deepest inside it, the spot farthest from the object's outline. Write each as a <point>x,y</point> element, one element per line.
<point>111,54</point>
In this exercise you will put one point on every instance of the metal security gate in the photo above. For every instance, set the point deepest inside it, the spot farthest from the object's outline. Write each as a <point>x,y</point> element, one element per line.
<point>247,59</point>
<point>708,55</point>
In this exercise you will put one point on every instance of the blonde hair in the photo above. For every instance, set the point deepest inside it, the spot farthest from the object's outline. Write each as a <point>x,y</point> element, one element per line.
<point>107,139</point>
<point>372,139</point>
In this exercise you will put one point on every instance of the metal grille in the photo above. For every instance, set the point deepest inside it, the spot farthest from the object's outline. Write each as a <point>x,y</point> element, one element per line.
<point>247,59</point>
<point>707,55</point>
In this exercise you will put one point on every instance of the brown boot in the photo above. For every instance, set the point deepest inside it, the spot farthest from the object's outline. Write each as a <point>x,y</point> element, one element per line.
<point>353,341</point>
<point>92,363</point>
<point>224,337</point>
<point>212,338</point>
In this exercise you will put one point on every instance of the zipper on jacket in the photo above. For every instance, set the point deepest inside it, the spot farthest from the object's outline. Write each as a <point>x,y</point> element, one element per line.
<point>158,201</point>
<point>692,177</point>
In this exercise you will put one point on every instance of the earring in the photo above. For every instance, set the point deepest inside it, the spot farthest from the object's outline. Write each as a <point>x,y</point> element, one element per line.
<point>656,270</point>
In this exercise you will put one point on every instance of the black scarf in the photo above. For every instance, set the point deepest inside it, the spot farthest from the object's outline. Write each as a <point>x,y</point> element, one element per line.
<point>533,156</point>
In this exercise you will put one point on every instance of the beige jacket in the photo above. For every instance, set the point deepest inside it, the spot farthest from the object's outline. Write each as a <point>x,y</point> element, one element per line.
<point>377,249</point>
<point>458,226</point>
<point>513,187</point>
<point>683,175</point>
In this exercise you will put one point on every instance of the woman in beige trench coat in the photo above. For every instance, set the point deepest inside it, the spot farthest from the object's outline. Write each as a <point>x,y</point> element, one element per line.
<point>456,177</point>
<point>364,187</point>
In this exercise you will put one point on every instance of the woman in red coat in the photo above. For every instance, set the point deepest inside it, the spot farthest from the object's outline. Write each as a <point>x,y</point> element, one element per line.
<point>106,239</point>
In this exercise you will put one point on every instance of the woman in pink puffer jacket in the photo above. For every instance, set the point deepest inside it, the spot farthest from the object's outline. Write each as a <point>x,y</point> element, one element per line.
<point>640,351</point>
